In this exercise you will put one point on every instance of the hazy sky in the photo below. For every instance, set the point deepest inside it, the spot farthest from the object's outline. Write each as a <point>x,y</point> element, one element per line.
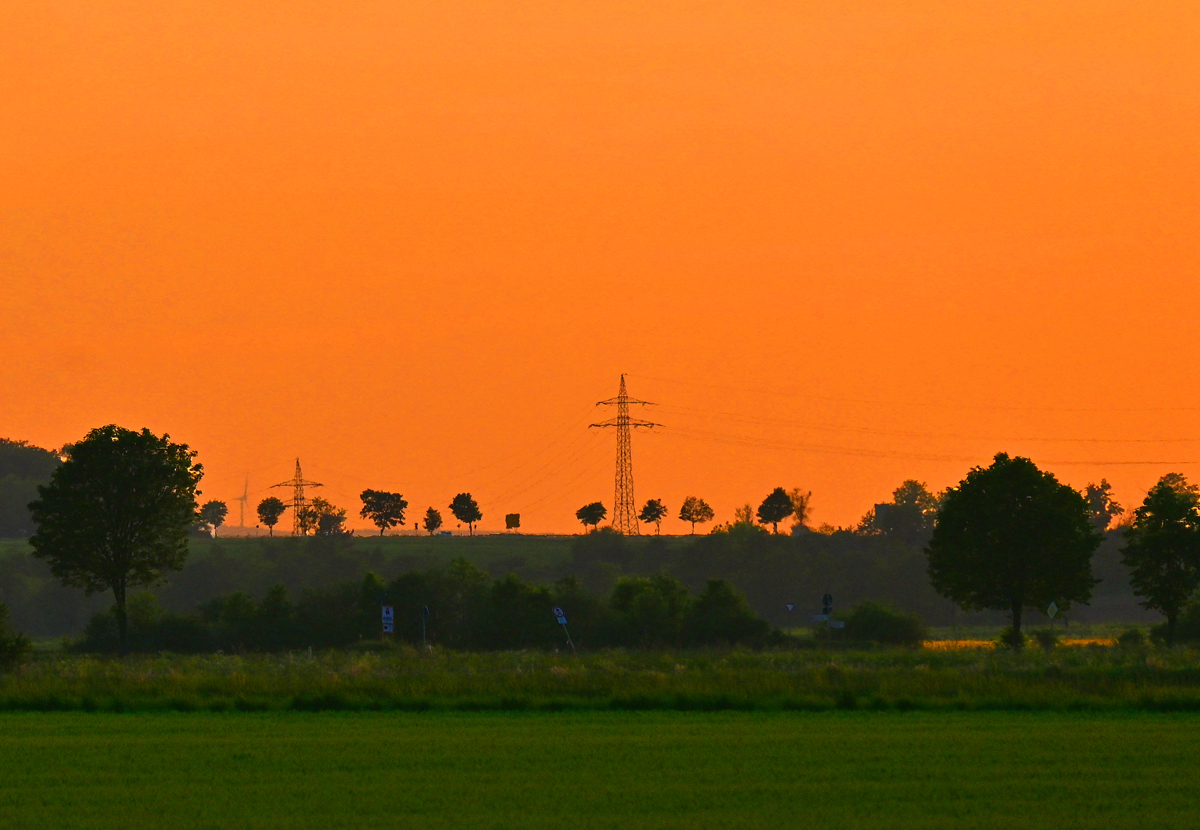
<point>842,244</point>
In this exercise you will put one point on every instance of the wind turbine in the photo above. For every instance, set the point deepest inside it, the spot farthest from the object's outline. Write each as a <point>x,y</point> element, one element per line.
<point>243,498</point>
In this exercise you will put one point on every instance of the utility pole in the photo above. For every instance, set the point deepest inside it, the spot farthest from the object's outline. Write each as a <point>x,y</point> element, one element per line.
<point>624,516</point>
<point>299,501</point>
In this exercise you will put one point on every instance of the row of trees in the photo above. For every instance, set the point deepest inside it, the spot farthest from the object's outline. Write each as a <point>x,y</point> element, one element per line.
<point>1011,536</point>
<point>117,512</point>
<point>458,606</point>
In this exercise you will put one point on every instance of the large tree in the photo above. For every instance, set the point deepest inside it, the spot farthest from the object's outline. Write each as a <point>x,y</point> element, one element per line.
<point>269,511</point>
<point>591,514</point>
<point>653,511</point>
<point>775,508</point>
<point>466,510</point>
<point>910,515</point>
<point>695,510</point>
<point>384,510</point>
<point>433,520</point>
<point>116,514</point>
<point>1101,505</point>
<point>1162,548</point>
<point>212,515</point>
<point>1011,536</point>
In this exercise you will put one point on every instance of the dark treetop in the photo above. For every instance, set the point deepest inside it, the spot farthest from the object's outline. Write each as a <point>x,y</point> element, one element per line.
<point>116,514</point>
<point>1010,536</point>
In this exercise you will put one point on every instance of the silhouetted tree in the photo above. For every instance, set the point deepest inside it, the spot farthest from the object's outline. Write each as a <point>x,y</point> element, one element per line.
<point>695,510</point>
<point>383,509</point>
<point>311,514</point>
<point>433,520</point>
<point>269,511</point>
<point>653,511</point>
<point>801,506</point>
<point>591,514</point>
<point>1162,548</point>
<point>332,523</point>
<point>909,516</point>
<point>213,514</point>
<point>116,514</point>
<point>775,508</point>
<point>1009,536</point>
<point>466,511</point>
<point>1101,505</point>
<point>512,521</point>
<point>743,515</point>
<point>22,468</point>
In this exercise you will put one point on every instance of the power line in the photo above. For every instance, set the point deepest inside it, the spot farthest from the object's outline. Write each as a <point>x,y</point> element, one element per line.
<point>929,404</point>
<point>738,417</point>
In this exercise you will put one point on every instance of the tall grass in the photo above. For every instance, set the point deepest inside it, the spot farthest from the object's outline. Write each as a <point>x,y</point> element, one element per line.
<point>1085,678</point>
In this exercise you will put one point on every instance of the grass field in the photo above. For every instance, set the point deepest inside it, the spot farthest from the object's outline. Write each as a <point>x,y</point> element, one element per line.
<point>599,770</point>
<point>1087,678</point>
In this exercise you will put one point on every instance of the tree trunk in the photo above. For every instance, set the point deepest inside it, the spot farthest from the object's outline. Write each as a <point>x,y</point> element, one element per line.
<point>381,531</point>
<point>122,618</point>
<point>1017,642</point>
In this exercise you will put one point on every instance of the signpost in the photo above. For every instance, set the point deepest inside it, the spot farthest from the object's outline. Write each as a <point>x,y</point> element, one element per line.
<point>424,618</point>
<point>561,616</point>
<point>389,620</point>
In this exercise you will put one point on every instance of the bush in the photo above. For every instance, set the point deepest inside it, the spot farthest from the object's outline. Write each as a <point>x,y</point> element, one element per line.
<point>1045,638</point>
<point>880,623</point>
<point>14,648</point>
<point>1132,638</point>
<point>1008,639</point>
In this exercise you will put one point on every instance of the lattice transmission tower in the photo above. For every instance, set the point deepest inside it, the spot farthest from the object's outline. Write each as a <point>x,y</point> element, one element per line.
<point>624,518</point>
<point>299,500</point>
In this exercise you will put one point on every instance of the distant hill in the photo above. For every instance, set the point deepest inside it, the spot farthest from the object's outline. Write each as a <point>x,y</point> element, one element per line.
<point>22,468</point>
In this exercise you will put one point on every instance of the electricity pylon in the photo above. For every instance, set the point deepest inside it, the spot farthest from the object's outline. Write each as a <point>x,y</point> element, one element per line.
<point>624,516</point>
<point>299,501</point>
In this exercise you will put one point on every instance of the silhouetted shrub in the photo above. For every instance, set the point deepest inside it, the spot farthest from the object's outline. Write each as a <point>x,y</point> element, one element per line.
<point>880,623</point>
<point>14,648</point>
<point>1132,638</point>
<point>1045,638</point>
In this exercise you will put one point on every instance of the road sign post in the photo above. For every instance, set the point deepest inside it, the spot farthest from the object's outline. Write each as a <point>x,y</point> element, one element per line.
<point>561,617</point>
<point>389,621</point>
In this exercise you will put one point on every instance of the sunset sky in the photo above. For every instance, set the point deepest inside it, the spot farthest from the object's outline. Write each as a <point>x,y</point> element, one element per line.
<point>412,243</point>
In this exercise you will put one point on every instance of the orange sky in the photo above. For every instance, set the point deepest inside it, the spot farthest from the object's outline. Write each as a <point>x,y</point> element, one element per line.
<point>412,242</point>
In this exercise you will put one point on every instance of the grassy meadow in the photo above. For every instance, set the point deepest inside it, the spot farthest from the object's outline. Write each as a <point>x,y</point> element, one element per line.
<point>1074,678</point>
<point>598,770</point>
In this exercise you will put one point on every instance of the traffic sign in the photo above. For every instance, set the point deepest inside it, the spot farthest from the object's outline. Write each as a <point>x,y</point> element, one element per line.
<point>791,606</point>
<point>820,618</point>
<point>558,612</point>
<point>389,614</point>
<point>1052,610</point>
<point>827,604</point>
<point>837,624</point>
<point>387,628</point>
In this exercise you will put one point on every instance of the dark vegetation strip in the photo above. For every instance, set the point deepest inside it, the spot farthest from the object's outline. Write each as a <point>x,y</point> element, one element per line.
<point>1066,679</point>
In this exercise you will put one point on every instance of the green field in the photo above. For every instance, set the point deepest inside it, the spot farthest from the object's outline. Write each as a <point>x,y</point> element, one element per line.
<point>585,770</point>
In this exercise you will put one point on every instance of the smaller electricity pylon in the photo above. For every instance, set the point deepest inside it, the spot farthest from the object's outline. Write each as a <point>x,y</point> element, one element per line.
<point>624,518</point>
<point>299,501</point>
